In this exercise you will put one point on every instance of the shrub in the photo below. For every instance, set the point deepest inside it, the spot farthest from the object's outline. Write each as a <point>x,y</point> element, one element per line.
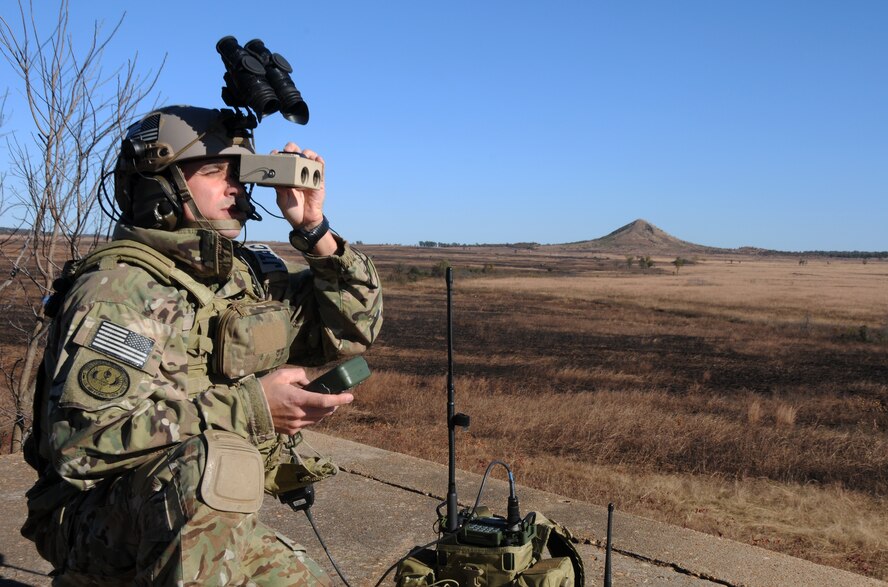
<point>440,268</point>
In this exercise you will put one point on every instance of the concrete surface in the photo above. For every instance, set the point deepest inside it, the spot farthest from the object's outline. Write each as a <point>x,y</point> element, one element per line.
<point>382,504</point>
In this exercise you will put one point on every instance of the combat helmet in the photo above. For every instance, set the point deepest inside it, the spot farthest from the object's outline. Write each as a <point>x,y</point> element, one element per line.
<point>148,185</point>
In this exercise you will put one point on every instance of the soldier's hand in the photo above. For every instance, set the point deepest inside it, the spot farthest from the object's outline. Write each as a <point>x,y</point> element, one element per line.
<point>293,408</point>
<point>305,208</point>
<point>302,208</point>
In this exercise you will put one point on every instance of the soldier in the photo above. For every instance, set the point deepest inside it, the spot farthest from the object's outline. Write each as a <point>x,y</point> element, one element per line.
<point>166,383</point>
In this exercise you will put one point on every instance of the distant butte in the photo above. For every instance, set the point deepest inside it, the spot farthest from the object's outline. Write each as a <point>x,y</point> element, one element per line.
<point>641,237</point>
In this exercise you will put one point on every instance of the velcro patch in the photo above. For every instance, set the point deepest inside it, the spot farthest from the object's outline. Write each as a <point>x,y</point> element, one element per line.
<point>103,379</point>
<point>123,344</point>
<point>269,261</point>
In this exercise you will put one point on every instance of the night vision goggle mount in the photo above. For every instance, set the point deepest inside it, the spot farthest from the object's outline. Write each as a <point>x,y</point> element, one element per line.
<point>258,80</point>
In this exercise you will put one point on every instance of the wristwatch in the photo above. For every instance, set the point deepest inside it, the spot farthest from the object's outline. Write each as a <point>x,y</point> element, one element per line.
<point>305,240</point>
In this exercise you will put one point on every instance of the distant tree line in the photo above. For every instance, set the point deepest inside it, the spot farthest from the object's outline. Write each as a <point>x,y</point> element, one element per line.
<point>436,244</point>
<point>851,254</point>
<point>5,230</point>
<point>836,254</point>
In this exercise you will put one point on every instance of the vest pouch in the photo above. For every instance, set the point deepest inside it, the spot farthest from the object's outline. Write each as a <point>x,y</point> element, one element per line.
<point>296,470</point>
<point>233,476</point>
<point>470,565</point>
<point>417,570</point>
<point>549,572</point>
<point>557,539</point>
<point>251,338</point>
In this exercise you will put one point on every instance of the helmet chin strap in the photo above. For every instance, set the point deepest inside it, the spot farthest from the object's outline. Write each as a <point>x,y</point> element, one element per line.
<point>201,221</point>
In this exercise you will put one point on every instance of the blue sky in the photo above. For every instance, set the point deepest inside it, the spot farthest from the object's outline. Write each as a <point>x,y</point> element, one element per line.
<point>724,123</point>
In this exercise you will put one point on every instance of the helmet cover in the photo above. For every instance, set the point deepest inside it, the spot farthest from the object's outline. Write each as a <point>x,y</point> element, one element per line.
<point>178,133</point>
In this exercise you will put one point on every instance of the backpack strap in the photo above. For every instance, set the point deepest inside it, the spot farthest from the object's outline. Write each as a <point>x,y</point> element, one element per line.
<point>31,444</point>
<point>157,264</point>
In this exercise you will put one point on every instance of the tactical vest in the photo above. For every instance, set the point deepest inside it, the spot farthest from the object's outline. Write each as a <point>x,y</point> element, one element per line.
<point>229,338</point>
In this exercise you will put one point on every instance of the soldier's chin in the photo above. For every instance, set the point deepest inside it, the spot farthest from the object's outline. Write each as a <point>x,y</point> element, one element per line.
<point>231,231</point>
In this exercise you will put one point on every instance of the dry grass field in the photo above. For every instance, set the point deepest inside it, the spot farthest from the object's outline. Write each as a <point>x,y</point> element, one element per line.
<point>745,397</point>
<point>742,396</point>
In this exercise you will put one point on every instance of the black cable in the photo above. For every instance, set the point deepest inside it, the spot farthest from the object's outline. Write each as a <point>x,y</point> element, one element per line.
<point>266,210</point>
<point>438,526</point>
<point>250,208</point>
<point>104,198</point>
<point>484,480</point>
<point>324,546</point>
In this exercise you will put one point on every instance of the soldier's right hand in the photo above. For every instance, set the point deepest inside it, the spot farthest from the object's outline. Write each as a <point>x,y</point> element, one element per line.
<point>293,408</point>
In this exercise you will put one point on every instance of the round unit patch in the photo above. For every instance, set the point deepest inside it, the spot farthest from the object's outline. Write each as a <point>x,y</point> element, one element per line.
<point>103,379</point>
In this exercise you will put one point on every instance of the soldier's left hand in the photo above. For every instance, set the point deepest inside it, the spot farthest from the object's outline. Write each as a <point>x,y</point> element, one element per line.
<point>293,408</point>
<point>302,208</point>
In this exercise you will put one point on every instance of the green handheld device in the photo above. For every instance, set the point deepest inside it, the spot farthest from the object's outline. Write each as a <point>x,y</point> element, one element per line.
<point>341,378</point>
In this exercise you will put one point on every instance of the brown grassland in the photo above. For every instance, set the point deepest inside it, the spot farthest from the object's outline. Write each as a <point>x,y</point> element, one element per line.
<point>742,396</point>
<point>746,397</point>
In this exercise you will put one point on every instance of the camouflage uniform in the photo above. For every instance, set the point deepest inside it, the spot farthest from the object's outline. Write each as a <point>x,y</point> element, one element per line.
<point>124,423</point>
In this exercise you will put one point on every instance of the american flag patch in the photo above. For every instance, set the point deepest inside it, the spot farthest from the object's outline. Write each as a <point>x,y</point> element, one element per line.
<point>147,130</point>
<point>123,344</point>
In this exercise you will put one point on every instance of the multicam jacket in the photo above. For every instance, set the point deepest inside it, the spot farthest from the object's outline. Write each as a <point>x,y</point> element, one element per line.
<point>130,365</point>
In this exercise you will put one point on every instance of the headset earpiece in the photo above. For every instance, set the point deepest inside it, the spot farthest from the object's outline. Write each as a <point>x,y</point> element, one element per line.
<point>155,203</point>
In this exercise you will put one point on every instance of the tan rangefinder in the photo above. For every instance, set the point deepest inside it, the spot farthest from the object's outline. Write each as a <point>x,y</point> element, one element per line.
<point>282,170</point>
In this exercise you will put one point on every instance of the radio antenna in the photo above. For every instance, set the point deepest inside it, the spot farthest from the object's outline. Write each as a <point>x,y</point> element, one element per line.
<point>607,548</point>
<point>453,419</point>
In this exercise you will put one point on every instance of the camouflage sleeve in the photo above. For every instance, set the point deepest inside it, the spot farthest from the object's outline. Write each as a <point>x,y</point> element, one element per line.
<point>337,306</point>
<point>119,382</point>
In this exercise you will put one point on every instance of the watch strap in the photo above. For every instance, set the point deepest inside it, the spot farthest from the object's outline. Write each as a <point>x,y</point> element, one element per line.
<point>305,240</point>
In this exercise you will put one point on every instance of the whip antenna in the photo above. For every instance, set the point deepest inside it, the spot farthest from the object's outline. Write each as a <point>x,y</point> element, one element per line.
<point>453,419</point>
<point>607,549</point>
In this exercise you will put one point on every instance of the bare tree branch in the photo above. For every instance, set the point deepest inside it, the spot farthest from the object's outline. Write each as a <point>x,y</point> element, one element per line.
<point>77,113</point>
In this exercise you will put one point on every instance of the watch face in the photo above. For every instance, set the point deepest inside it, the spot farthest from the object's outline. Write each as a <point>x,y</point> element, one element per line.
<point>299,242</point>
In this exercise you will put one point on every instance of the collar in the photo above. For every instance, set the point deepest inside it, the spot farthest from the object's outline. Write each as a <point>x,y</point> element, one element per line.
<point>205,252</point>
